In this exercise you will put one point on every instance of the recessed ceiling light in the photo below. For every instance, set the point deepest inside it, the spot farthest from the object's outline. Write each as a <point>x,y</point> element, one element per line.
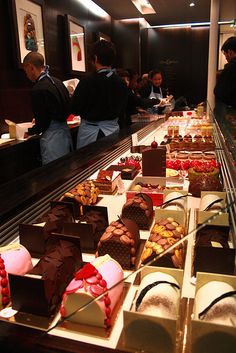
<point>94,8</point>
<point>143,6</point>
<point>192,3</point>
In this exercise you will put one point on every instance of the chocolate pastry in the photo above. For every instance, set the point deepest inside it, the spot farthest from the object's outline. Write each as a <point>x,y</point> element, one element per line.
<point>85,193</point>
<point>165,233</point>
<point>140,210</point>
<point>121,241</point>
<point>40,291</point>
<point>98,222</point>
<point>54,219</point>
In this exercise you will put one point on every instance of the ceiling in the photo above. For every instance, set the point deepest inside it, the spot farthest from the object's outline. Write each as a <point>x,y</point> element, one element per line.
<point>169,11</point>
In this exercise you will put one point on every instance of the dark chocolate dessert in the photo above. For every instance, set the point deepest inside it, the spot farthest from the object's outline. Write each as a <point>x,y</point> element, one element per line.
<point>140,210</point>
<point>121,241</point>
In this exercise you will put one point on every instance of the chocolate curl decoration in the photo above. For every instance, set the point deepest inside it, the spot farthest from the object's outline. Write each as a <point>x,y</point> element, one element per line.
<point>87,271</point>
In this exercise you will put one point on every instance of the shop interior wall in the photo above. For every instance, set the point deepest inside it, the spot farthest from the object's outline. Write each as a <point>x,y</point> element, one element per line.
<point>182,55</point>
<point>126,36</point>
<point>14,86</point>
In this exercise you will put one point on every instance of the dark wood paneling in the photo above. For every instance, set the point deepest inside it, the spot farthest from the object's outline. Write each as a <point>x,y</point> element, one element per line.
<point>14,86</point>
<point>126,36</point>
<point>182,54</point>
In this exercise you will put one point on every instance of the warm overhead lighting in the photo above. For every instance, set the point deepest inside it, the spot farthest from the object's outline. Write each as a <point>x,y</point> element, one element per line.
<point>144,6</point>
<point>192,3</point>
<point>94,8</point>
<point>187,25</point>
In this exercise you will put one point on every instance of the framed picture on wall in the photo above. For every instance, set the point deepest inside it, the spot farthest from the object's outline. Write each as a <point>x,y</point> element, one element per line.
<point>29,27</point>
<point>76,45</point>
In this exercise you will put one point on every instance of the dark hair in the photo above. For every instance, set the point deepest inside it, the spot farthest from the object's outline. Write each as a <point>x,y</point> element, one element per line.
<point>229,44</point>
<point>152,73</point>
<point>122,73</point>
<point>35,59</point>
<point>132,73</point>
<point>105,52</point>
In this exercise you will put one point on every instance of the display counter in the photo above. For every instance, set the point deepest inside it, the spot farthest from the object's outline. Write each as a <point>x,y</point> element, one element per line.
<point>26,200</point>
<point>18,157</point>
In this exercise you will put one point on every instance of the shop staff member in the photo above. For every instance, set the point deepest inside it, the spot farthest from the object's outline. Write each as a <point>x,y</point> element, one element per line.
<point>225,89</point>
<point>50,104</point>
<point>100,98</point>
<point>153,90</point>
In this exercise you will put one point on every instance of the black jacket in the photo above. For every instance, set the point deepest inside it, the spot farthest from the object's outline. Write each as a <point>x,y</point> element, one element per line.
<point>49,102</point>
<point>100,96</point>
<point>225,89</point>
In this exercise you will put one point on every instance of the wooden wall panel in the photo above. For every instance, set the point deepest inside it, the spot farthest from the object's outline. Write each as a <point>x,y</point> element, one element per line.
<point>182,54</point>
<point>14,86</point>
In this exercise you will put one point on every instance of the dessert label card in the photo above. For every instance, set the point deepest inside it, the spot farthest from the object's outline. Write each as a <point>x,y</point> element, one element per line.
<point>154,162</point>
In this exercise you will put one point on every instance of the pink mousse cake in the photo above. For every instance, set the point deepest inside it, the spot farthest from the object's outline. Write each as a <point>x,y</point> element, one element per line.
<point>14,259</point>
<point>92,281</point>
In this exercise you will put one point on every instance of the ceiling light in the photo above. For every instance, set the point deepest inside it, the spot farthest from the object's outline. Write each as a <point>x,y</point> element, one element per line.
<point>143,6</point>
<point>192,3</point>
<point>94,8</point>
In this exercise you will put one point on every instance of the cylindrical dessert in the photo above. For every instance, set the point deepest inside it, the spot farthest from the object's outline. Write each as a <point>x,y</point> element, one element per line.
<point>14,259</point>
<point>209,202</point>
<point>158,295</point>
<point>216,302</point>
<point>91,281</point>
<point>174,201</point>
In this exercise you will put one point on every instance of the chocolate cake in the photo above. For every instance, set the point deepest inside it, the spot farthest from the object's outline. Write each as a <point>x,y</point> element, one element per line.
<point>212,252</point>
<point>140,210</point>
<point>98,221</point>
<point>121,241</point>
<point>55,218</point>
<point>165,233</point>
<point>107,181</point>
<point>40,291</point>
<point>204,183</point>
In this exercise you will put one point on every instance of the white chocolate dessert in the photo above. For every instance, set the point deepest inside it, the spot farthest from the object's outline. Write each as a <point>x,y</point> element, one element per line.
<point>174,201</point>
<point>212,203</point>
<point>216,302</point>
<point>90,282</point>
<point>158,295</point>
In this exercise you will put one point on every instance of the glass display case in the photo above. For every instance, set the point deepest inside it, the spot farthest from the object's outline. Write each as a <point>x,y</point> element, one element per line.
<point>179,293</point>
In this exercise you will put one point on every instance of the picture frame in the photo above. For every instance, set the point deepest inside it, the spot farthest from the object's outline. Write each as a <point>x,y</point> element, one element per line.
<point>76,45</point>
<point>28,24</point>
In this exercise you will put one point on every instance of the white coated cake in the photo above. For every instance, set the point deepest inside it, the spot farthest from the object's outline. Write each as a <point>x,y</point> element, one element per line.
<point>222,311</point>
<point>158,295</point>
<point>90,282</point>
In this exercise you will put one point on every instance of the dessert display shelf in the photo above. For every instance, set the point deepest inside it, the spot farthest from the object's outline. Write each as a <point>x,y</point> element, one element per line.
<point>168,224</point>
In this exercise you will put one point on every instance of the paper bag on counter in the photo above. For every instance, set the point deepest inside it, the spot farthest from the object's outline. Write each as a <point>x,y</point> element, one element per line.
<point>17,131</point>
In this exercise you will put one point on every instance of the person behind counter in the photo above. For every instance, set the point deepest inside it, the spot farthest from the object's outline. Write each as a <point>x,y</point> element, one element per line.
<point>100,98</point>
<point>135,102</point>
<point>153,90</point>
<point>225,89</point>
<point>50,104</point>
